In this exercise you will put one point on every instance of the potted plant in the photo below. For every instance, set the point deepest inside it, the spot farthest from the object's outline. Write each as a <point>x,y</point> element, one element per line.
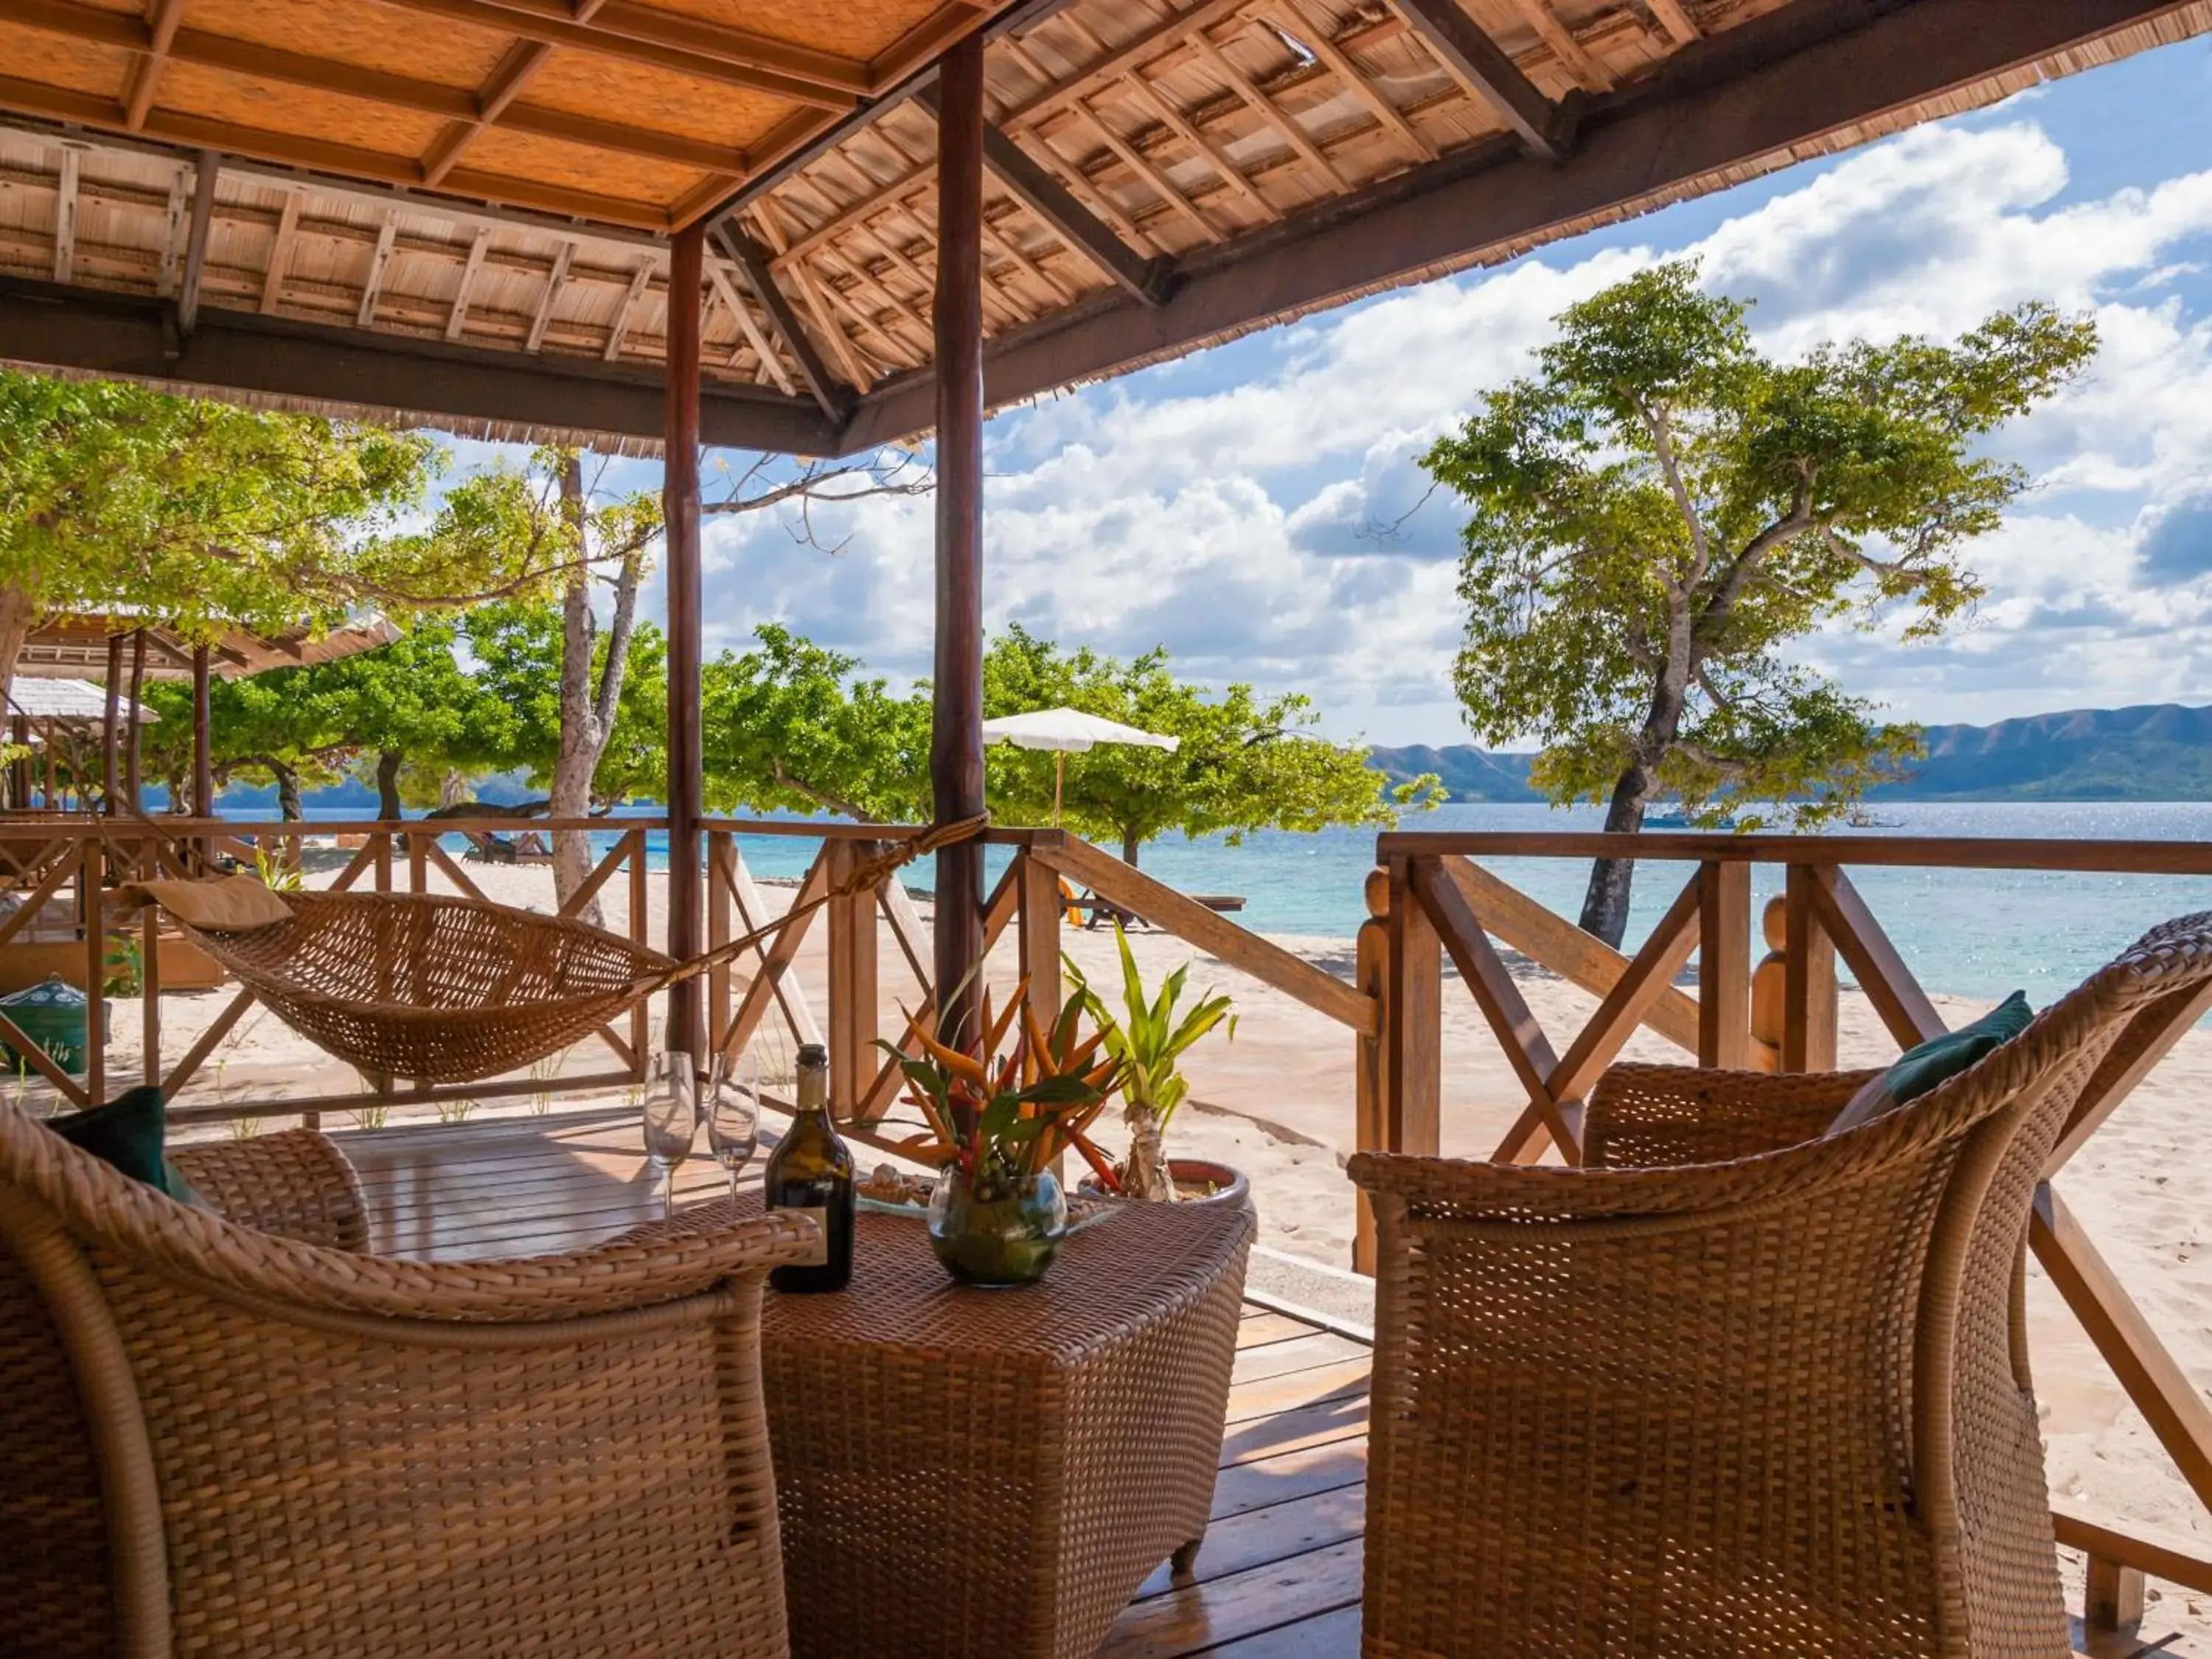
<point>999,1116</point>
<point>1149,1041</point>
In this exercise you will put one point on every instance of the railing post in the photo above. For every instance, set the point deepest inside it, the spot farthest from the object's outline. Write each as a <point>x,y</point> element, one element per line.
<point>1724,963</point>
<point>640,905</point>
<point>2112,1597</point>
<point>149,995</point>
<point>1039,920</point>
<point>722,849</point>
<point>1808,980</point>
<point>1369,1076</point>
<point>1413,1102</point>
<point>852,1062</point>
<point>93,873</point>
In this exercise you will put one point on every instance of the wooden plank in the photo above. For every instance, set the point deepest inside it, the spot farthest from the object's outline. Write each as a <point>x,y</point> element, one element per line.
<point>1588,70</point>
<point>66,205</point>
<point>618,330</point>
<point>146,66</point>
<point>542,318</point>
<point>1472,59</point>
<point>781,952</point>
<point>1246,951</point>
<point>1332,1636</point>
<point>1675,20</point>
<point>1243,1488</point>
<point>1244,1604</point>
<point>1527,1049</point>
<point>1808,986</point>
<point>752,912</point>
<point>1262,1326</point>
<point>457,317</point>
<point>1883,976</point>
<point>208,171</point>
<point>2160,1390</point>
<point>378,261</point>
<point>854,1060</point>
<point>280,253</point>
<point>718,272</point>
<point>2181,1562</point>
<point>1300,1353</point>
<point>1274,1396</point>
<point>1292,17</point>
<point>1412,1003</point>
<point>2150,1037</point>
<point>1297,1524</point>
<point>1725,965</point>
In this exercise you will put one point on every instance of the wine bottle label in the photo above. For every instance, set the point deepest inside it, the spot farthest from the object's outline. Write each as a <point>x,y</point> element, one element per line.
<point>819,1215</point>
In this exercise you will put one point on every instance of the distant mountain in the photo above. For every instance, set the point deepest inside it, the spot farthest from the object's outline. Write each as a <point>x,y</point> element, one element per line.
<point>2156,751</point>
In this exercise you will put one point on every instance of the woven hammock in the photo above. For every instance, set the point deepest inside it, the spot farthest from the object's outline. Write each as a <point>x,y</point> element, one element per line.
<point>440,989</point>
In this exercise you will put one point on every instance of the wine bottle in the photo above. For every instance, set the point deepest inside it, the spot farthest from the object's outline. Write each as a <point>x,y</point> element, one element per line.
<point>810,1173</point>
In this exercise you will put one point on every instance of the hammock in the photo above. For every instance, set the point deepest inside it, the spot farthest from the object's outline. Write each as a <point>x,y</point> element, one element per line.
<point>444,989</point>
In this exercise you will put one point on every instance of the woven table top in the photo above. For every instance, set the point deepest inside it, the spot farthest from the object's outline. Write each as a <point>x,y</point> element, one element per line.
<point>1143,1262</point>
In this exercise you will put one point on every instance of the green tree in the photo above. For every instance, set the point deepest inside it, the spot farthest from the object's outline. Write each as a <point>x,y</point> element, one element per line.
<point>1660,509</point>
<point>264,729</point>
<point>518,649</point>
<point>1244,763</point>
<point>789,727</point>
<point>407,705</point>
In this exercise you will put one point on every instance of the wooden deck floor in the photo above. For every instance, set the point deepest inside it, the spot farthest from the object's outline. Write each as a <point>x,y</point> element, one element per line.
<point>1279,1578</point>
<point>1280,1574</point>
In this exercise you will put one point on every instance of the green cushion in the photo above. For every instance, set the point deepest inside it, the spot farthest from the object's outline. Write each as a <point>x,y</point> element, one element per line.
<point>1937,1061</point>
<point>128,1131</point>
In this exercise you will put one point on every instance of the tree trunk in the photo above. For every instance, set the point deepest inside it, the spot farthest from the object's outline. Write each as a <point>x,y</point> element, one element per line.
<point>18,610</point>
<point>287,792</point>
<point>1146,1174</point>
<point>1605,904</point>
<point>452,789</point>
<point>1130,841</point>
<point>388,762</point>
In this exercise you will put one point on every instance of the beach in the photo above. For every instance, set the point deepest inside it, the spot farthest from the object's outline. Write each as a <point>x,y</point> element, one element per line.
<point>1276,1101</point>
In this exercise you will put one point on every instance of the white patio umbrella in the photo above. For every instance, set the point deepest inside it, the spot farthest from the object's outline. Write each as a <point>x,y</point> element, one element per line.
<point>1068,731</point>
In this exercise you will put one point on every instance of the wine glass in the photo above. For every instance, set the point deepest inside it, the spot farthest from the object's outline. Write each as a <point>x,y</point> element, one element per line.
<point>732,1106</point>
<point>672,1117</point>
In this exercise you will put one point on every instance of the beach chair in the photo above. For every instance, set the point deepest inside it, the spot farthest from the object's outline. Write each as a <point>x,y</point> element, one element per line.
<point>1740,1386</point>
<point>248,1435</point>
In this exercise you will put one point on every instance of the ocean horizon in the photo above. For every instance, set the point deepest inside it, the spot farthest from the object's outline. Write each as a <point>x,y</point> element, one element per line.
<point>1970,933</point>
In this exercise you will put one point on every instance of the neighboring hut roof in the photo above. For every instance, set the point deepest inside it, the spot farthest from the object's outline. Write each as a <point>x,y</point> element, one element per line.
<point>63,648</point>
<point>75,703</point>
<point>241,194</point>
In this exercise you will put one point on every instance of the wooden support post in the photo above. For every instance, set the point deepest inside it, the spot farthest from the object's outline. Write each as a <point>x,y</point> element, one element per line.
<point>853,992</point>
<point>1413,1004</point>
<point>955,746</point>
<point>110,728</point>
<point>210,172</point>
<point>134,770</point>
<point>1040,916</point>
<point>1369,1080</point>
<point>149,997</point>
<point>22,783</point>
<point>687,1026</point>
<point>1725,965</point>
<point>1808,980</point>
<point>721,853</point>
<point>641,1015</point>
<point>2111,1597</point>
<point>94,873</point>
<point>203,751</point>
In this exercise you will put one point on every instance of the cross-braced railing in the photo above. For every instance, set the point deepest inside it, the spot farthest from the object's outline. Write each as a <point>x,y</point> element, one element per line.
<point>1432,899</point>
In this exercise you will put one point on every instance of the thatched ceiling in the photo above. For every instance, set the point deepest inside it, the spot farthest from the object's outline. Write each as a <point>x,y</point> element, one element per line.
<point>458,210</point>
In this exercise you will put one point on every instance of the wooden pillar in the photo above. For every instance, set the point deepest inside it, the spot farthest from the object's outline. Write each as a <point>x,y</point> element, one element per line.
<point>853,996</point>
<point>955,746</point>
<point>1808,995</point>
<point>1371,1080</point>
<point>1724,963</point>
<point>110,730</point>
<point>1412,1107</point>
<point>687,1026</point>
<point>134,771</point>
<point>203,748</point>
<point>23,784</point>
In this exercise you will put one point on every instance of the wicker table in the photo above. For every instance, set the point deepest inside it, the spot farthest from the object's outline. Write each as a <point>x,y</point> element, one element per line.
<point>993,1473</point>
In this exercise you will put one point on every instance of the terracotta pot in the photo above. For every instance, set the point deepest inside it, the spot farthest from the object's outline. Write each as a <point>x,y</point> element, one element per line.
<point>1229,1184</point>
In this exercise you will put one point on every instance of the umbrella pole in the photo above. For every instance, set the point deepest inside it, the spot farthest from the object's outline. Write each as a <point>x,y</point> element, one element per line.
<point>1059,777</point>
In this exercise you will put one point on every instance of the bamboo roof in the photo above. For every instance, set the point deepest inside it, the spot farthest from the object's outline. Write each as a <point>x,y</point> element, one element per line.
<point>457,212</point>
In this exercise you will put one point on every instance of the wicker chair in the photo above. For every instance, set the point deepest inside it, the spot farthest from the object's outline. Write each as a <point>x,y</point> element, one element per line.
<point>220,1440</point>
<point>1738,1389</point>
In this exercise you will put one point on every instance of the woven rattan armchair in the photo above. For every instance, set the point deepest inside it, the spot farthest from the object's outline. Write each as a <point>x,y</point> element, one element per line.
<point>1764,1395</point>
<point>217,1440</point>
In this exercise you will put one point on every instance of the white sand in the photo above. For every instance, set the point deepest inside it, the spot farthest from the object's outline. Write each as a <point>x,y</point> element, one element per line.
<point>1277,1102</point>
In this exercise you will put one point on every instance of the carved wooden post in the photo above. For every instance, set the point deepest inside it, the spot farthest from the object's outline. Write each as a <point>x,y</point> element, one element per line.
<point>1369,1076</point>
<point>1724,963</point>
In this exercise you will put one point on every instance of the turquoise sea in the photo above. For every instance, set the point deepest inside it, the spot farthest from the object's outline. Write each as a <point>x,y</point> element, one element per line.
<point>1977,933</point>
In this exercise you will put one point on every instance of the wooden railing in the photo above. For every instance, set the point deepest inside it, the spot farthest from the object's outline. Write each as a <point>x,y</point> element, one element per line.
<point>1432,898</point>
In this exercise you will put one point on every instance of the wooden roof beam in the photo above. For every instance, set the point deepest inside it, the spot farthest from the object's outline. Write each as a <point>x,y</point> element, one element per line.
<point>620,328</point>
<point>1673,19</point>
<point>458,318</point>
<point>750,257</point>
<point>554,278</point>
<point>195,242</point>
<point>146,66</point>
<point>771,361</point>
<point>1036,189</point>
<point>1476,61</point>
<point>378,261</point>
<point>660,40</point>
<point>280,252</point>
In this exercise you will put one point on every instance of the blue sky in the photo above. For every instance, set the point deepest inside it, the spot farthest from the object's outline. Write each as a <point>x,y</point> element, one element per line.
<point>1227,505</point>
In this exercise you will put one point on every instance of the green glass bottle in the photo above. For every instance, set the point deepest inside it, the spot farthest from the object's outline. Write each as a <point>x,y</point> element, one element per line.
<point>810,1171</point>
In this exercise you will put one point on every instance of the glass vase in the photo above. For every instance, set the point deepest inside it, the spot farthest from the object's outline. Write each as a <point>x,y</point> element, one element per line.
<point>1006,1235</point>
